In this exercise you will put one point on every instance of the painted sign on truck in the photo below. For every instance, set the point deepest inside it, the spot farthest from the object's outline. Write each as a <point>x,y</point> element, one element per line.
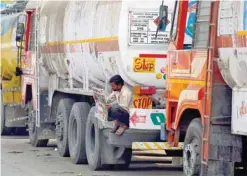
<point>142,28</point>
<point>146,118</point>
<point>191,19</point>
<point>142,101</point>
<point>144,65</point>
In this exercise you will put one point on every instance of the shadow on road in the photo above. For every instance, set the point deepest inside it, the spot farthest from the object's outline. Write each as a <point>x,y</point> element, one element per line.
<point>154,168</point>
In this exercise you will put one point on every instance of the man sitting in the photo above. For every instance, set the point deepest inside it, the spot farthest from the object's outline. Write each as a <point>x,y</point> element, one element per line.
<point>119,111</point>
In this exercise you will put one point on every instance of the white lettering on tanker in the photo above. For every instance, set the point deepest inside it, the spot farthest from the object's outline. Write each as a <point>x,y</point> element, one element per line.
<point>142,28</point>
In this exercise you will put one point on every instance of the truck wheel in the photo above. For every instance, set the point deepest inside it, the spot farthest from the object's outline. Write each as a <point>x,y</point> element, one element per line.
<point>77,129</point>
<point>93,142</point>
<point>62,120</point>
<point>192,148</point>
<point>32,129</point>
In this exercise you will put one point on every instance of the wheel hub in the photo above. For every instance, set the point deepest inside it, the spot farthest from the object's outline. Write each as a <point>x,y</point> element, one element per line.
<point>189,157</point>
<point>59,128</point>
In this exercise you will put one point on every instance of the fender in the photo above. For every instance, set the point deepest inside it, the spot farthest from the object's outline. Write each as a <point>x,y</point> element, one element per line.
<point>188,104</point>
<point>190,98</point>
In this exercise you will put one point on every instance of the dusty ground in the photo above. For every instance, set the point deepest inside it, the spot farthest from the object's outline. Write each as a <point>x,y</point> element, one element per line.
<point>19,158</point>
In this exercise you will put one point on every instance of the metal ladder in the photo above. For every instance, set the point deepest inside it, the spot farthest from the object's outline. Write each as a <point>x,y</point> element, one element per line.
<point>210,45</point>
<point>32,42</point>
<point>201,33</point>
<point>37,71</point>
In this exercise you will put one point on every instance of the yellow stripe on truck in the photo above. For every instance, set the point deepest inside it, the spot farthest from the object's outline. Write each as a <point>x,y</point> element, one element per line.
<point>185,81</point>
<point>89,40</point>
<point>244,32</point>
<point>155,146</point>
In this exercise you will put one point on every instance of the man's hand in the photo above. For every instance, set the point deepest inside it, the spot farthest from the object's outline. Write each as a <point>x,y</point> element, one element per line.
<point>108,107</point>
<point>95,98</point>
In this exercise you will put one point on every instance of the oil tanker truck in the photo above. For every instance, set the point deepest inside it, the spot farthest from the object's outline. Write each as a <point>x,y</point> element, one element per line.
<point>204,80</point>
<point>75,47</point>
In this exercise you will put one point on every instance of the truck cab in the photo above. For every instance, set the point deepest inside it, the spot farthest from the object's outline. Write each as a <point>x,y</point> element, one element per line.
<point>203,88</point>
<point>13,112</point>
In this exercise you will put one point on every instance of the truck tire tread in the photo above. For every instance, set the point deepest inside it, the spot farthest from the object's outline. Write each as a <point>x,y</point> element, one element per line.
<point>63,109</point>
<point>192,148</point>
<point>93,150</point>
<point>78,119</point>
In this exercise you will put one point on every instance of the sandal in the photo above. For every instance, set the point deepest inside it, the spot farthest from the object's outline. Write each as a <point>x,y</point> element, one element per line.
<point>115,126</point>
<point>121,130</point>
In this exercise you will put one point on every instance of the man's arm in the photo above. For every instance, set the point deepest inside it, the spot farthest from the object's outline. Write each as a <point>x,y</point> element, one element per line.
<point>111,98</point>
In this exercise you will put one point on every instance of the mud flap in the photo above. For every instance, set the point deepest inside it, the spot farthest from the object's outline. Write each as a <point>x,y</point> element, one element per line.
<point>46,131</point>
<point>110,154</point>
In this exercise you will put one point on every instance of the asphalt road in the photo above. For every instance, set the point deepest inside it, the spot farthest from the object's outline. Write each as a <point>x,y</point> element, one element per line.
<point>19,158</point>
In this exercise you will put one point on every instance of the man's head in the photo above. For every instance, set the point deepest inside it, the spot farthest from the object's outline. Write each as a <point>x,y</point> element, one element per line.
<point>116,83</point>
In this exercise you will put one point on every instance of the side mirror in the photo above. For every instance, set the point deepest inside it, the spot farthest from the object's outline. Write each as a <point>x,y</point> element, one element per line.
<point>163,19</point>
<point>18,71</point>
<point>20,32</point>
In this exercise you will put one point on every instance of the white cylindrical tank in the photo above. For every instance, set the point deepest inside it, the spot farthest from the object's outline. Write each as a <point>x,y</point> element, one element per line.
<point>232,42</point>
<point>93,40</point>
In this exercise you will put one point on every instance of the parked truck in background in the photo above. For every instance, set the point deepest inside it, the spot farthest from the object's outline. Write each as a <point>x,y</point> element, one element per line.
<point>13,113</point>
<point>207,86</point>
<point>73,46</point>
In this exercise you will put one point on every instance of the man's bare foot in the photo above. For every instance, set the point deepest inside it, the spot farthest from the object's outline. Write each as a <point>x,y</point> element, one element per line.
<point>121,130</point>
<point>115,126</point>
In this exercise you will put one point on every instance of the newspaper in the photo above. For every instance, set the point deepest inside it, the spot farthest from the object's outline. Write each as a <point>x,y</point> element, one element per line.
<point>100,99</point>
<point>99,95</point>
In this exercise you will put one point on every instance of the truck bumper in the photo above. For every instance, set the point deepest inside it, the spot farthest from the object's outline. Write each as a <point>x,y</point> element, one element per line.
<point>129,136</point>
<point>133,135</point>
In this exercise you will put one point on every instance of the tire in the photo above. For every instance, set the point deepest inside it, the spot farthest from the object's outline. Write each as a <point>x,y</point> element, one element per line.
<point>77,130</point>
<point>94,147</point>
<point>192,148</point>
<point>4,130</point>
<point>62,120</point>
<point>93,151</point>
<point>32,129</point>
